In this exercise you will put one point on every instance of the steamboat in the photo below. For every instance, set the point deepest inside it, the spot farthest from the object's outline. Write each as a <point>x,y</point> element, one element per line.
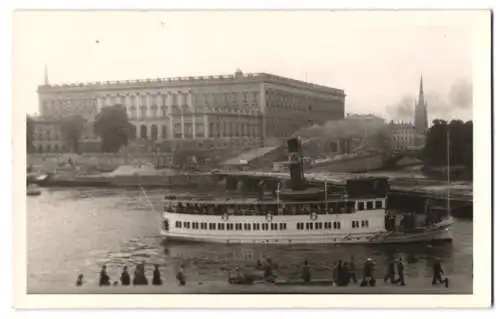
<point>305,215</point>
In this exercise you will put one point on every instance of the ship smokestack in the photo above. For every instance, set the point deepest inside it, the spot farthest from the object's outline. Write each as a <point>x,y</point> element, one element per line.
<point>296,164</point>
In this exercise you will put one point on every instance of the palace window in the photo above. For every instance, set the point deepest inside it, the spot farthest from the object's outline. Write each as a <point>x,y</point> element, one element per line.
<point>256,226</point>
<point>238,226</point>
<point>186,224</point>
<point>300,226</point>
<point>274,226</point>
<point>178,224</point>
<point>265,226</point>
<point>220,226</point>
<point>282,226</point>
<point>369,205</point>
<point>211,226</point>
<point>378,204</point>
<point>361,205</point>
<point>203,225</point>
<point>229,226</point>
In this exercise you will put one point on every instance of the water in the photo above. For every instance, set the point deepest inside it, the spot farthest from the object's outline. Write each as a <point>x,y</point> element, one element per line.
<point>72,231</point>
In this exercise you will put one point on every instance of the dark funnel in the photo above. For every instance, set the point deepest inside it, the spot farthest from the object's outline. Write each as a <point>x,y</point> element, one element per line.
<point>296,164</point>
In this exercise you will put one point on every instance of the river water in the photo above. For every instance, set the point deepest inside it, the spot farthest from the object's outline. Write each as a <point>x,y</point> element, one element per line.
<point>72,231</point>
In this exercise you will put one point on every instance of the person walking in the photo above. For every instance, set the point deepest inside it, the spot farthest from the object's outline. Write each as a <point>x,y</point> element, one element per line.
<point>157,276</point>
<point>125,277</point>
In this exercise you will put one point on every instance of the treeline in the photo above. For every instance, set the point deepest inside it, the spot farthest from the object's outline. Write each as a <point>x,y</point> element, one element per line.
<point>111,124</point>
<point>460,148</point>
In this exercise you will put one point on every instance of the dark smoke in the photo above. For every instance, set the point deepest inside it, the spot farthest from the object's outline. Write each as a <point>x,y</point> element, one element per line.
<point>403,109</point>
<point>461,94</point>
<point>459,98</point>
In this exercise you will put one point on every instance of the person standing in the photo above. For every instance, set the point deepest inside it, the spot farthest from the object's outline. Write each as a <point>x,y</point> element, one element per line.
<point>306,273</point>
<point>125,277</point>
<point>103,277</point>
<point>352,270</point>
<point>79,280</point>
<point>401,269</point>
<point>390,274</point>
<point>438,273</point>
<point>157,276</point>
<point>368,270</point>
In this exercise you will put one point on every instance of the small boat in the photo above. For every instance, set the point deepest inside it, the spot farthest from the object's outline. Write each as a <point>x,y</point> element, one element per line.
<point>33,190</point>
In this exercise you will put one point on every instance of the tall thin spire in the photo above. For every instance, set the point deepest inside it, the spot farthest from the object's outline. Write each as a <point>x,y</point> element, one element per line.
<point>420,119</point>
<point>46,76</point>
<point>421,92</point>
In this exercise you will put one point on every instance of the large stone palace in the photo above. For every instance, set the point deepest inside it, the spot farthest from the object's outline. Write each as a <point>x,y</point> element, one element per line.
<point>227,111</point>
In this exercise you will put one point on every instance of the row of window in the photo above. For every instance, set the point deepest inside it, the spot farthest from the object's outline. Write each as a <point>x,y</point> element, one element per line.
<point>369,205</point>
<point>230,226</point>
<point>266,226</point>
<point>355,224</point>
<point>318,225</point>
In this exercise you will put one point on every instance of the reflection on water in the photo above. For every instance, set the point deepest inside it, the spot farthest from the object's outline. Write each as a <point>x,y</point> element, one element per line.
<point>77,230</point>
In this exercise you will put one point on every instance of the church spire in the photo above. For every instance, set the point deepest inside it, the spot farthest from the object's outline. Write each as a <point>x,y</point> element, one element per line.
<point>46,76</point>
<point>421,92</point>
<point>420,120</point>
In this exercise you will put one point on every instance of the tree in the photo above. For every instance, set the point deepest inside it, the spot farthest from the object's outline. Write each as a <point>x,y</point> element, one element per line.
<point>30,133</point>
<point>460,148</point>
<point>71,129</point>
<point>113,126</point>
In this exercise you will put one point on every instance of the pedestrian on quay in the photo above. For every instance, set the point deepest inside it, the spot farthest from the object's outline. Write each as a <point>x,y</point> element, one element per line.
<point>125,277</point>
<point>352,270</point>
<point>337,271</point>
<point>79,280</point>
<point>438,273</point>
<point>401,270</point>
<point>306,273</point>
<point>368,271</point>
<point>345,274</point>
<point>140,276</point>
<point>157,276</point>
<point>390,274</point>
<point>181,278</point>
<point>103,277</point>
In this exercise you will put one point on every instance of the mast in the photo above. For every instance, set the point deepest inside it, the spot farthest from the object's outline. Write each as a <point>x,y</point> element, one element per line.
<point>326,197</point>
<point>448,164</point>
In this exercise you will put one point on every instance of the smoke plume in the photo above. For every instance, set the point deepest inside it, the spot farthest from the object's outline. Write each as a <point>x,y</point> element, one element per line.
<point>459,98</point>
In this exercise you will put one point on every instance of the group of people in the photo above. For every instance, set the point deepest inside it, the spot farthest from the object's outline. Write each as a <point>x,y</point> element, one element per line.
<point>138,279</point>
<point>344,273</point>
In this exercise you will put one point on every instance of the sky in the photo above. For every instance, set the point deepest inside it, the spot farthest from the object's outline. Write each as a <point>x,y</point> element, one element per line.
<point>376,57</point>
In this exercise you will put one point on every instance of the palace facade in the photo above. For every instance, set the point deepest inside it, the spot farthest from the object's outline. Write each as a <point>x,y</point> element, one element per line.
<point>226,111</point>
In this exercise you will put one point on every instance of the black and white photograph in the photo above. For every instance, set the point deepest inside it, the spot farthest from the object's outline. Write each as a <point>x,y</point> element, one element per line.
<point>253,152</point>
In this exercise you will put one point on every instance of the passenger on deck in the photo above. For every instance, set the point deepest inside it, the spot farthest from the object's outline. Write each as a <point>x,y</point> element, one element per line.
<point>157,276</point>
<point>79,281</point>
<point>259,266</point>
<point>125,277</point>
<point>103,277</point>
<point>306,273</point>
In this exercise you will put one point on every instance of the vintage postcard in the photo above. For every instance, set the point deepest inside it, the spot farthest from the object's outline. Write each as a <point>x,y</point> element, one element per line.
<point>281,158</point>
